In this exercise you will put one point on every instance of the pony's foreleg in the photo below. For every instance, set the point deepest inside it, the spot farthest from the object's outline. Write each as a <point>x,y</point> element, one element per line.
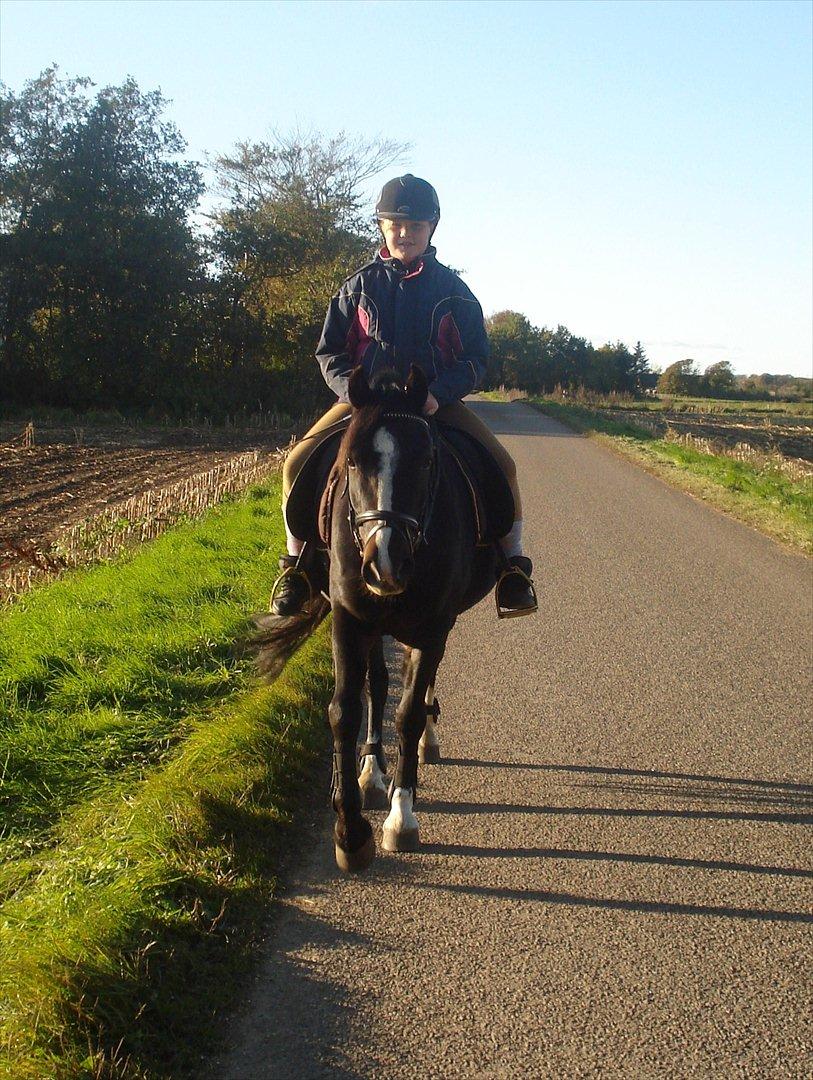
<point>429,745</point>
<point>373,760</point>
<point>401,825</point>
<point>355,846</point>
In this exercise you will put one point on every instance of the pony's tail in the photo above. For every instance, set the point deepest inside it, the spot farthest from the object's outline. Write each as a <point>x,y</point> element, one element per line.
<point>279,636</point>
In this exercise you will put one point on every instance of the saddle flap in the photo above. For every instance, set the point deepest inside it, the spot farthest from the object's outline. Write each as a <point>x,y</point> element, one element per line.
<point>305,501</point>
<point>491,495</point>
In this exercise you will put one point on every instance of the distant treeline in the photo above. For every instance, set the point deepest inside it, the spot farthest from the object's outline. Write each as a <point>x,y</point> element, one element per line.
<point>116,293</point>
<point>525,357</point>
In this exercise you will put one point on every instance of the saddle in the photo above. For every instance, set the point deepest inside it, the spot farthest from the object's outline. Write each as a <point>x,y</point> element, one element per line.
<point>310,502</point>
<point>490,493</point>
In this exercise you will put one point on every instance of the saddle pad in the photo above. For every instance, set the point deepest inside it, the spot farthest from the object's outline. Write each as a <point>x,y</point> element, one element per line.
<point>490,488</point>
<point>302,507</point>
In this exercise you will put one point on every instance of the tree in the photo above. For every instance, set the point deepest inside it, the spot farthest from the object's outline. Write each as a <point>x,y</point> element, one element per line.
<point>613,368</point>
<point>516,352</point>
<point>101,264</point>
<point>681,377</point>
<point>719,379</point>
<point>566,360</point>
<point>645,377</point>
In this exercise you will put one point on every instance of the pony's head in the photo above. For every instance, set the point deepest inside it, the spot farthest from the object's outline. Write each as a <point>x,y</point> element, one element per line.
<point>388,454</point>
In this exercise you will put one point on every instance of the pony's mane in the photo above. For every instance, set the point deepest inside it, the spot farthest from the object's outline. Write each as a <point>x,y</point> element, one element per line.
<point>390,397</point>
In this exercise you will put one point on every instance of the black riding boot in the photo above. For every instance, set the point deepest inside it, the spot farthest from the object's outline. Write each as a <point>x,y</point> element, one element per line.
<point>515,589</point>
<point>292,590</point>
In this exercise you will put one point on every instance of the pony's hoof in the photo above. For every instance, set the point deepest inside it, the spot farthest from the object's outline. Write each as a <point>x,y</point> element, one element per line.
<point>407,840</point>
<point>429,755</point>
<point>353,862</point>
<point>374,798</point>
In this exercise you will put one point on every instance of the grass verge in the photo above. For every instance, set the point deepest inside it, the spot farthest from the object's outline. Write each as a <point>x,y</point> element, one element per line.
<point>149,788</point>
<point>763,498</point>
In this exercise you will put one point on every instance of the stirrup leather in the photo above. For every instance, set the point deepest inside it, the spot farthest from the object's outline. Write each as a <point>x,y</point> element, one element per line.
<point>514,613</point>
<point>285,573</point>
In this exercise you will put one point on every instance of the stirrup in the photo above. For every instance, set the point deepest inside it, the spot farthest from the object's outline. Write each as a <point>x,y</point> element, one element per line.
<point>286,573</point>
<point>514,613</point>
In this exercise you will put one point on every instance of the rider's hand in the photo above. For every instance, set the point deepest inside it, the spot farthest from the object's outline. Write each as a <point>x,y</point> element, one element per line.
<point>431,405</point>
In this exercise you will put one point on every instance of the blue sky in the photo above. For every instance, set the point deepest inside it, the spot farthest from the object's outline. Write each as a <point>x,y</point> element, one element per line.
<point>632,170</point>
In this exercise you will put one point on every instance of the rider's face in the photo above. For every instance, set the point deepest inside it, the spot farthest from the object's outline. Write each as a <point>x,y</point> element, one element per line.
<point>406,240</point>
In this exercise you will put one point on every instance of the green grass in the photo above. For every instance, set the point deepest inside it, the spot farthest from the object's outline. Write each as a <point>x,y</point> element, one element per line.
<point>148,786</point>
<point>763,498</point>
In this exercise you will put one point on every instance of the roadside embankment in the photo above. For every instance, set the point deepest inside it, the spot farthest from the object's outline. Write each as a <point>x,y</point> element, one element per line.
<point>148,786</point>
<point>758,493</point>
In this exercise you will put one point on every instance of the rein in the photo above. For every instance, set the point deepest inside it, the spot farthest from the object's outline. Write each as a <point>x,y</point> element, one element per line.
<point>413,530</point>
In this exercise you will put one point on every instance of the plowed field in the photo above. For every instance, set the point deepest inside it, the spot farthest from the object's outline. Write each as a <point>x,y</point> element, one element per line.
<point>791,436</point>
<point>54,484</point>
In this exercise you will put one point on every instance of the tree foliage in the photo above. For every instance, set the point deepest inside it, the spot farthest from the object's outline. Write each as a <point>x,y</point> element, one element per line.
<point>681,377</point>
<point>99,260</point>
<point>526,357</point>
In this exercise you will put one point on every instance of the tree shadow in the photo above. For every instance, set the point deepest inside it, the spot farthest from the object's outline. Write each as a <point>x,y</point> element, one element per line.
<point>440,806</point>
<point>606,770</point>
<point>524,420</point>
<point>646,907</point>
<point>473,851</point>
<point>789,802</point>
<point>700,787</point>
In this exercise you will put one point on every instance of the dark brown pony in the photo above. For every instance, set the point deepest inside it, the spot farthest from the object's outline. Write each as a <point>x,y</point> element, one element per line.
<point>404,561</point>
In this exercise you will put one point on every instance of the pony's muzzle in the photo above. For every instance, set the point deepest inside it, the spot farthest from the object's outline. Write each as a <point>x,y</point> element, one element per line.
<point>387,562</point>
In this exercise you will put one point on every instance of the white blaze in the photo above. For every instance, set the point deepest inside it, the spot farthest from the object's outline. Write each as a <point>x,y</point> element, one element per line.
<point>387,449</point>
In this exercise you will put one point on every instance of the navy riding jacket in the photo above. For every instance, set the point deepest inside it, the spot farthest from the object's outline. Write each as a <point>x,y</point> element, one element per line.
<point>385,315</point>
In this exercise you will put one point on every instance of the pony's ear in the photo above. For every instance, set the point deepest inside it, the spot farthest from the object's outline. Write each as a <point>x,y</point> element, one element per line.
<point>358,389</point>
<point>417,388</point>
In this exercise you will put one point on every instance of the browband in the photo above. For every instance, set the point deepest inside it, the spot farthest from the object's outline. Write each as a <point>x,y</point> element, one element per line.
<point>403,416</point>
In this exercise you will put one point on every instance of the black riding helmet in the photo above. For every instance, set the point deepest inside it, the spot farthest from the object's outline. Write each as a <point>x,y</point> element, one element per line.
<point>408,198</point>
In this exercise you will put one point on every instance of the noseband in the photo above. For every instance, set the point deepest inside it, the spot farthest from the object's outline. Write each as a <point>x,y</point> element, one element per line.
<point>412,530</point>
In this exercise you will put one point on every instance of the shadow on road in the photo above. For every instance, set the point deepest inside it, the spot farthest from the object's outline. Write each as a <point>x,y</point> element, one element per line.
<point>522,420</point>
<point>649,907</point>
<point>606,770</point>
<point>473,851</point>
<point>790,804</point>
<point>297,1024</point>
<point>440,806</point>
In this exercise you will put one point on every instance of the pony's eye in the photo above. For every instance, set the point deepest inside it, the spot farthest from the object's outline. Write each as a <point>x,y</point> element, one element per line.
<point>351,464</point>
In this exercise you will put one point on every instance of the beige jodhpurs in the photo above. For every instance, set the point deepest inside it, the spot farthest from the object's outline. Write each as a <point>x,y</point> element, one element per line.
<point>455,415</point>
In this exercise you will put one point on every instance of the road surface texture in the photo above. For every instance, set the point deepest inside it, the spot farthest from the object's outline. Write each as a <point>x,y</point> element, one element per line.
<point>615,875</point>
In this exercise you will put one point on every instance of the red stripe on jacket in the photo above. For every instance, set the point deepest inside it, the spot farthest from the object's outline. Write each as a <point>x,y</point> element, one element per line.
<point>358,336</point>
<point>448,342</point>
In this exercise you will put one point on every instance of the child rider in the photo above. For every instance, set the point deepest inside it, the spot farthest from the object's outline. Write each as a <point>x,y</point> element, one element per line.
<point>405,307</point>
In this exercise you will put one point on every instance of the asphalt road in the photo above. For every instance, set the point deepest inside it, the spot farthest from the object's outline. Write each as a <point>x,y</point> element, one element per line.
<point>615,878</point>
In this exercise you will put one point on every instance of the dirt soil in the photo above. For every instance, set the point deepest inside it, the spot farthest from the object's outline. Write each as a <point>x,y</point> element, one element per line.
<point>788,435</point>
<point>57,483</point>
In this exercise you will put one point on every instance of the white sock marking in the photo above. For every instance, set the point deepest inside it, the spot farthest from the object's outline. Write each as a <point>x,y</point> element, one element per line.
<point>400,818</point>
<point>371,775</point>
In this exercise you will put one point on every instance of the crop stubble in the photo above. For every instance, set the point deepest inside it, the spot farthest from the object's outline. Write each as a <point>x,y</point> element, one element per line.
<point>53,486</point>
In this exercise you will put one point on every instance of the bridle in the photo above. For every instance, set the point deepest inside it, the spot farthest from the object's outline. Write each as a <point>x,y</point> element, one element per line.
<point>411,528</point>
